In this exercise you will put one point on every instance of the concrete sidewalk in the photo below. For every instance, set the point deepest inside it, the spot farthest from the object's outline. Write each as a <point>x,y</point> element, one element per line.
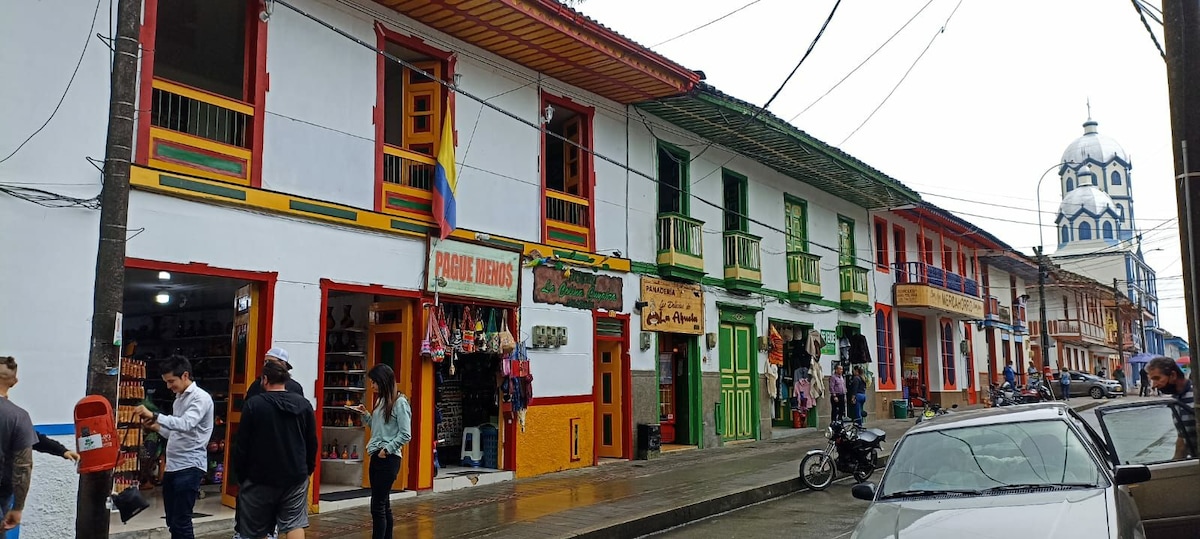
<point>621,499</point>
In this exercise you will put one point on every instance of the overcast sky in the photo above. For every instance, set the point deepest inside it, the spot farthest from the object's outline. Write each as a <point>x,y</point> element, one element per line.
<point>992,103</point>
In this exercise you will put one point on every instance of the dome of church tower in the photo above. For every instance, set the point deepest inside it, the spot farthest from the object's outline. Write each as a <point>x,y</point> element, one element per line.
<point>1093,145</point>
<point>1088,198</point>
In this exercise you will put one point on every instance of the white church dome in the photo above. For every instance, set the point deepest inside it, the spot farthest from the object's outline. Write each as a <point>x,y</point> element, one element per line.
<point>1086,197</point>
<point>1093,145</point>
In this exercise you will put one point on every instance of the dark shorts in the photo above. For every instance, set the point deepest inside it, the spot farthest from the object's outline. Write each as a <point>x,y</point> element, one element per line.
<point>263,508</point>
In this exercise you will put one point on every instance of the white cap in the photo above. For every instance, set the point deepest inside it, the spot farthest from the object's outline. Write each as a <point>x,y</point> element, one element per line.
<point>281,355</point>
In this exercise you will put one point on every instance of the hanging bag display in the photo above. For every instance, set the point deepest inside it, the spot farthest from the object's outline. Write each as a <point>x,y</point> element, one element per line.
<point>437,342</point>
<point>493,332</point>
<point>427,340</point>
<point>507,342</point>
<point>468,332</point>
<point>481,340</point>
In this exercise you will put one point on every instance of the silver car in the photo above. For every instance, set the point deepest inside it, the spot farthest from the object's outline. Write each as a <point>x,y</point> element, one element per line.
<point>1035,470</point>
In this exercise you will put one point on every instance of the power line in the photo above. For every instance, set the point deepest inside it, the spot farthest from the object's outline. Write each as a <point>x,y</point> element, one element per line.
<point>811,46</point>
<point>454,87</point>
<point>864,62</point>
<point>1142,15</point>
<point>705,25</point>
<point>940,31</point>
<point>82,54</point>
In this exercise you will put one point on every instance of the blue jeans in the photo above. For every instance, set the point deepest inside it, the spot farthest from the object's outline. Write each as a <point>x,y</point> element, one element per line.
<point>858,401</point>
<point>180,489</point>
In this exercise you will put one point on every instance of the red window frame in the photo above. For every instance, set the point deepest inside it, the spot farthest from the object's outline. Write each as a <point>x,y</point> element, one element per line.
<point>384,35</point>
<point>949,370</point>
<point>255,83</point>
<point>881,246</point>
<point>885,338</point>
<point>928,251</point>
<point>587,174</point>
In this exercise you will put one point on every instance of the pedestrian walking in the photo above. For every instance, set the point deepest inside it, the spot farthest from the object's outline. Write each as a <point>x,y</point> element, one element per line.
<point>837,394</point>
<point>275,355</point>
<point>17,439</point>
<point>1143,382</point>
<point>274,454</point>
<point>1064,383</point>
<point>391,427</point>
<point>187,431</point>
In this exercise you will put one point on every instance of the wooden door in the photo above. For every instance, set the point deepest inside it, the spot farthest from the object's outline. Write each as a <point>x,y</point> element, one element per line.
<point>607,389</point>
<point>573,157</point>
<point>737,382</point>
<point>389,342</point>
<point>244,361</point>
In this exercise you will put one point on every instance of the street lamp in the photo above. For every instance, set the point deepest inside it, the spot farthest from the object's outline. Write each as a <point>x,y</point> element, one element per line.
<point>1043,326</point>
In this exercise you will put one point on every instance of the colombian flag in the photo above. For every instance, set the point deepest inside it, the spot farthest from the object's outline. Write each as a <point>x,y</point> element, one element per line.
<point>445,181</point>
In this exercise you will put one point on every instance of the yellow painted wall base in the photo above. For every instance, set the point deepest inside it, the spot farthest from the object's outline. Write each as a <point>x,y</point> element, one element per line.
<point>544,446</point>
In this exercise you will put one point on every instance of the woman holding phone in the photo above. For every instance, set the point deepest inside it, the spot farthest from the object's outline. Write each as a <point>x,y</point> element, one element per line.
<point>390,421</point>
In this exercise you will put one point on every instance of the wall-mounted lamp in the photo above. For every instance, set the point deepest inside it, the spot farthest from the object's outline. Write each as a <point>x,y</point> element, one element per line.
<point>162,298</point>
<point>639,305</point>
<point>164,276</point>
<point>547,114</point>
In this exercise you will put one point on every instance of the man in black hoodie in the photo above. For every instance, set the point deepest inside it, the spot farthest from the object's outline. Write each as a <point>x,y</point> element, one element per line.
<point>274,454</point>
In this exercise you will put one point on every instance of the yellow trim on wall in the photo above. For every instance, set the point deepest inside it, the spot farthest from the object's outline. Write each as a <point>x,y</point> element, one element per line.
<point>544,444</point>
<point>196,188</point>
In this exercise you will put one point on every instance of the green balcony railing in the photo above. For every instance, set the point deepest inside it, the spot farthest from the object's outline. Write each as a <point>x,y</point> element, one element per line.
<point>854,288</point>
<point>804,276</point>
<point>680,246</point>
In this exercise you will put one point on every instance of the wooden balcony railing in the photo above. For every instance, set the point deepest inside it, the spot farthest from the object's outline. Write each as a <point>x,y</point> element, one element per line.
<point>922,273</point>
<point>568,220</point>
<point>1077,330</point>
<point>804,276</point>
<point>853,281</point>
<point>680,246</point>
<point>408,183</point>
<point>743,260</point>
<point>199,133</point>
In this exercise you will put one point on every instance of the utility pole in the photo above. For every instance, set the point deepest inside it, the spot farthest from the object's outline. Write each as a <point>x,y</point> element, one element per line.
<point>1120,335</point>
<point>1141,325</point>
<point>1045,328</point>
<point>92,516</point>
<point>1181,37</point>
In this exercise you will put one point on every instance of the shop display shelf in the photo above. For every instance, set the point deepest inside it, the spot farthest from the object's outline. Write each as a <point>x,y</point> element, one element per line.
<point>346,330</point>
<point>352,354</point>
<point>346,372</point>
<point>147,342</point>
<point>343,461</point>
<point>345,389</point>
<point>343,428</point>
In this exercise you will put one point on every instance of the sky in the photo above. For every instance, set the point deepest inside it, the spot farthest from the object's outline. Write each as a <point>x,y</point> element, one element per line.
<point>984,96</point>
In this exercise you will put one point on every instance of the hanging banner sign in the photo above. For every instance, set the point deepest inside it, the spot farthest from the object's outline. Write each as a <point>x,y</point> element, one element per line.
<point>831,342</point>
<point>579,289</point>
<point>473,271</point>
<point>672,307</point>
<point>919,295</point>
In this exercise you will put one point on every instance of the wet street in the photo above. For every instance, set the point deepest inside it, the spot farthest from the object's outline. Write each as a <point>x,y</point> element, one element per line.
<point>831,514</point>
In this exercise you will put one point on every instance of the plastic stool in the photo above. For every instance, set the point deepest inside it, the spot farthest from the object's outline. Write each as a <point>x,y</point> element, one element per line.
<point>471,446</point>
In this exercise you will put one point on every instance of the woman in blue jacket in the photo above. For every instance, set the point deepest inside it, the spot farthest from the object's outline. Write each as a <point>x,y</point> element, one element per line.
<point>390,421</point>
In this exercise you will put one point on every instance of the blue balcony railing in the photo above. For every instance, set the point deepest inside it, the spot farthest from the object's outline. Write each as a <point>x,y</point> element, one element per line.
<point>922,273</point>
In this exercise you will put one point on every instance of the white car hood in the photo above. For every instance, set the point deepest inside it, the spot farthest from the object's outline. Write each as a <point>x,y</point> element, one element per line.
<point>1058,514</point>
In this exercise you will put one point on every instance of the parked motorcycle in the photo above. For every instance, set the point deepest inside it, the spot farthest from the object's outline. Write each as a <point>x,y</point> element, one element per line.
<point>852,449</point>
<point>932,410</point>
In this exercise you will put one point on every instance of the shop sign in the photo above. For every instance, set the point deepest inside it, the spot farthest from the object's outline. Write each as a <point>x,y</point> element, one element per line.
<point>473,271</point>
<point>919,295</point>
<point>578,289</point>
<point>831,342</point>
<point>672,307</point>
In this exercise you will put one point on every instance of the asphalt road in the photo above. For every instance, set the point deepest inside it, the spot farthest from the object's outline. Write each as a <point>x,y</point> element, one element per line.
<point>830,514</point>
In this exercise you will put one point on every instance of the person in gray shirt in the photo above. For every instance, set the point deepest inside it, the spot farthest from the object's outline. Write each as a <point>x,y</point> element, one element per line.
<point>16,449</point>
<point>187,431</point>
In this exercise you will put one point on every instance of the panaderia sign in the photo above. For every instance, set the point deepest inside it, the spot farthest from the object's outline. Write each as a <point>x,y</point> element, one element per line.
<point>672,307</point>
<point>473,271</point>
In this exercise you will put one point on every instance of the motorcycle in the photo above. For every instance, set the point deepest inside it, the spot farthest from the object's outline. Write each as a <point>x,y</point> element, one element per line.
<point>852,449</point>
<point>933,410</point>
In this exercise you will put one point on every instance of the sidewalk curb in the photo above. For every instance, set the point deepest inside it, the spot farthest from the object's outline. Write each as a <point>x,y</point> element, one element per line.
<point>670,518</point>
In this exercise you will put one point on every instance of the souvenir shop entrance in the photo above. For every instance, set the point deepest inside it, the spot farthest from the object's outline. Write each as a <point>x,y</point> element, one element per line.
<point>789,351</point>
<point>361,327</point>
<point>219,320</point>
<point>679,390</point>
<point>913,359</point>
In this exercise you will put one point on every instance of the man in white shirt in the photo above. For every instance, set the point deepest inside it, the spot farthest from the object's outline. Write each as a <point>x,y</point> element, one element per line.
<point>187,431</point>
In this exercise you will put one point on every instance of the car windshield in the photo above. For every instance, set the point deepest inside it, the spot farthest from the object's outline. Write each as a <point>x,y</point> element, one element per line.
<point>976,460</point>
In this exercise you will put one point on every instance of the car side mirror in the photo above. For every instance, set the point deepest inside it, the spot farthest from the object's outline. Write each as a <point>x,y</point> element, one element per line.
<point>1132,473</point>
<point>866,491</point>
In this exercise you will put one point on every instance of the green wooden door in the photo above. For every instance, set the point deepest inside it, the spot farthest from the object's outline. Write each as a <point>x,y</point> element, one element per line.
<point>738,410</point>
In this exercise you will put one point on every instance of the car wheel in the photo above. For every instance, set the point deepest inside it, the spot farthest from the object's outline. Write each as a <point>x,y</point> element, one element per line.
<point>1097,393</point>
